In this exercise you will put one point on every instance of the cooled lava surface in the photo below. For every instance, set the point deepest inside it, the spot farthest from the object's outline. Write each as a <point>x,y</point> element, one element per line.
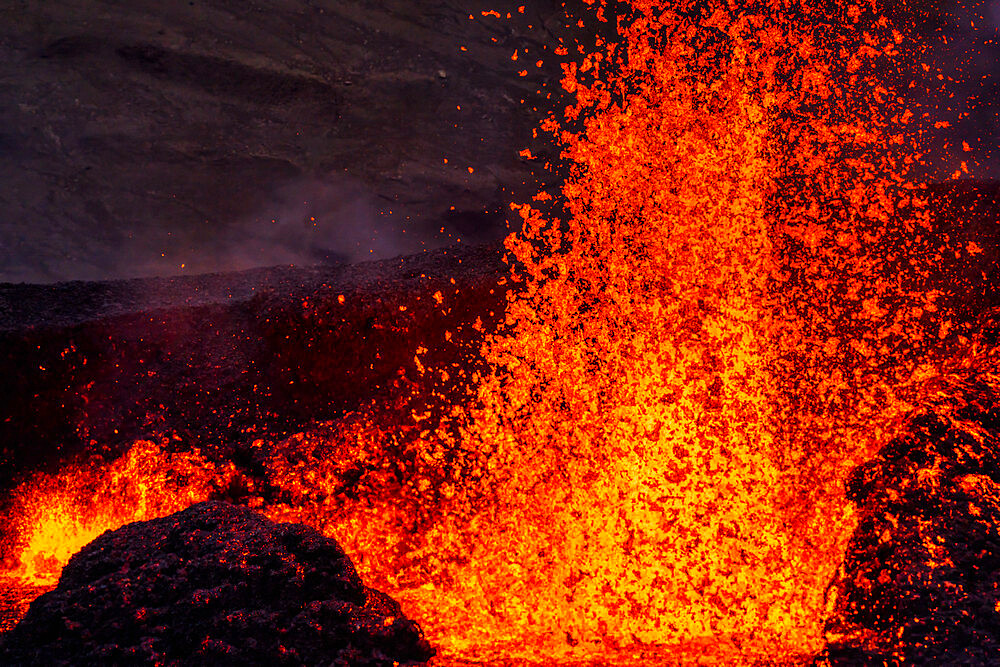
<point>214,584</point>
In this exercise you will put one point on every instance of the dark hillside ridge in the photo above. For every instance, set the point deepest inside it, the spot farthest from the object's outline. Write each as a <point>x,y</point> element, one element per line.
<point>93,366</point>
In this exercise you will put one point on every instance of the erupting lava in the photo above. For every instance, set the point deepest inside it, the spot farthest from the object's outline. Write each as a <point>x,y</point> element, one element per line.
<point>727,317</point>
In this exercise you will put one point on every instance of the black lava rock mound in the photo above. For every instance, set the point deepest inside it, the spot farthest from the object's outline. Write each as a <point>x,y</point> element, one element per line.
<point>215,584</point>
<point>921,577</point>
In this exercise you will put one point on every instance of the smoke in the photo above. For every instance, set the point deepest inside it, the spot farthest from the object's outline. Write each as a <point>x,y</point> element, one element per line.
<point>310,222</point>
<point>301,222</point>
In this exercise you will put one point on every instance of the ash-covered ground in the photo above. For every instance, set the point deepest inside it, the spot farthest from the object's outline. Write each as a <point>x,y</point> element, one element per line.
<point>150,138</point>
<point>90,367</point>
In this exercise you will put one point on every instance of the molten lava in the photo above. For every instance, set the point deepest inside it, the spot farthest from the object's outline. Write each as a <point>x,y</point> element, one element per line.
<point>60,514</point>
<point>726,316</point>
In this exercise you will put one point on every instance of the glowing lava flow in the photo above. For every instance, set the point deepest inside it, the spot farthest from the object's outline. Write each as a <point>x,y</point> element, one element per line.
<point>693,357</point>
<point>60,514</point>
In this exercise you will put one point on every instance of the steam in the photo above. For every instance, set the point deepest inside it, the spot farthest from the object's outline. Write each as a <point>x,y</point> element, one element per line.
<point>312,222</point>
<point>304,222</point>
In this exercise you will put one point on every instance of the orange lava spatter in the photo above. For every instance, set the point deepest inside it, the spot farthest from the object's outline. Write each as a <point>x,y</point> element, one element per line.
<point>697,343</point>
<point>724,320</point>
<point>59,514</point>
<point>723,317</point>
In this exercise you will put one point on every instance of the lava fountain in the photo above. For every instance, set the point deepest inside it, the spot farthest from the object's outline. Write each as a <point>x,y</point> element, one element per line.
<point>721,313</point>
<point>710,338</point>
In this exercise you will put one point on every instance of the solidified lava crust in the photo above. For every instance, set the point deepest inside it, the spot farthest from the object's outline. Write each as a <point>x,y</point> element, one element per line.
<point>921,577</point>
<point>214,584</point>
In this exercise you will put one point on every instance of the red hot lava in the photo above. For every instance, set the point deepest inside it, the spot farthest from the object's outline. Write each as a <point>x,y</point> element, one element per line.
<point>727,315</point>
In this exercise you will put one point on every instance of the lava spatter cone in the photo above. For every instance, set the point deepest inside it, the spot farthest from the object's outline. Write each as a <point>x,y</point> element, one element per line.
<point>214,584</point>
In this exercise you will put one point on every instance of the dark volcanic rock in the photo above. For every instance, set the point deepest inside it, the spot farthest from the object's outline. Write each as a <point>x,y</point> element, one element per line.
<point>921,582</point>
<point>91,367</point>
<point>215,584</point>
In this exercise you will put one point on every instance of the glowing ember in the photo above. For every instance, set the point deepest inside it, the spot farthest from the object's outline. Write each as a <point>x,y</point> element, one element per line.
<point>724,321</point>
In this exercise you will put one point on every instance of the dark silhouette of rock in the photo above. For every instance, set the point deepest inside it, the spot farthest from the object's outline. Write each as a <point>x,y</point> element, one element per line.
<point>921,578</point>
<point>215,584</point>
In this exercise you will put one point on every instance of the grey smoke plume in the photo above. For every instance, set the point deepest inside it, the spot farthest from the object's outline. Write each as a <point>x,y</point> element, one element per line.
<point>312,222</point>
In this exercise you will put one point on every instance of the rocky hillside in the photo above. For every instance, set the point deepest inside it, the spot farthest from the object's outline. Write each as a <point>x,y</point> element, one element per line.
<point>148,138</point>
